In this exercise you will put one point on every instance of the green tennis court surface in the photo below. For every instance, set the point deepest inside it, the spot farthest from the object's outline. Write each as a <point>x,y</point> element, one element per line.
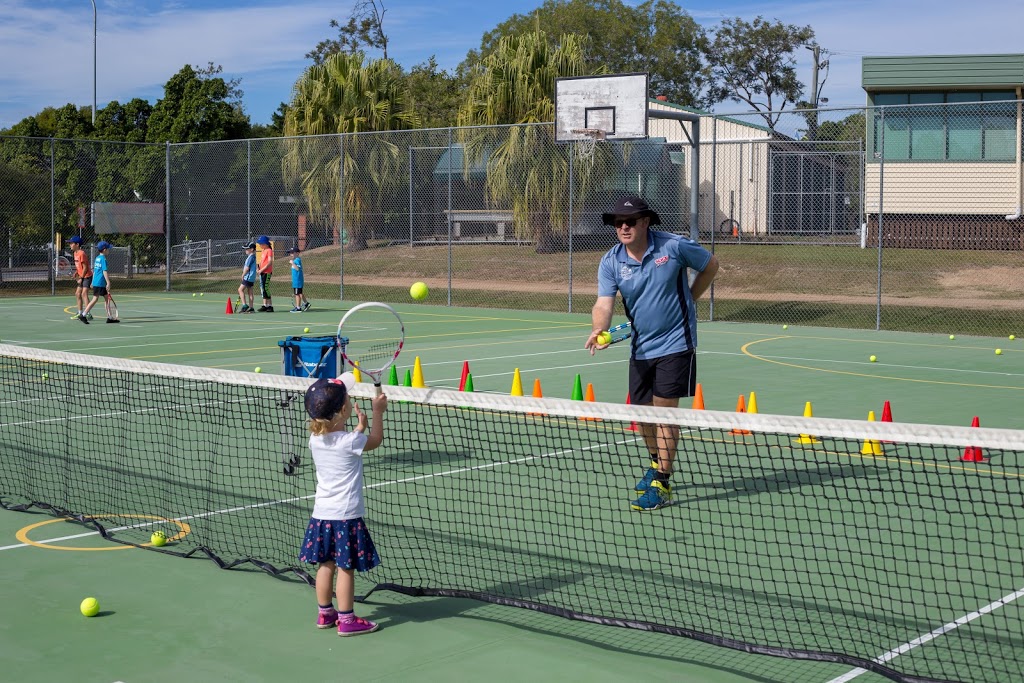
<point>437,493</point>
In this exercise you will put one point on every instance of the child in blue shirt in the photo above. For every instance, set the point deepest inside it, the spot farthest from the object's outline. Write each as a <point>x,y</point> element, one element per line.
<point>100,284</point>
<point>298,280</point>
<point>245,290</point>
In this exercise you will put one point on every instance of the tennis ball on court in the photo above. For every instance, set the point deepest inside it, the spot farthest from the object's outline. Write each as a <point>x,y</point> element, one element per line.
<point>90,607</point>
<point>872,359</point>
<point>603,337</point>
<point>1012,337</point>
<point>999,352</point>
<point>159,539</point>
<point>259,369</point>
<point>418,291</point>
<point>305,330</point>
<point>952,336</point>
<point>785,327</point>
<point>193,293</point>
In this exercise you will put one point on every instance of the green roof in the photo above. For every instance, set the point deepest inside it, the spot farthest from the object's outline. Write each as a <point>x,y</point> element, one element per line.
<point>942,71</point>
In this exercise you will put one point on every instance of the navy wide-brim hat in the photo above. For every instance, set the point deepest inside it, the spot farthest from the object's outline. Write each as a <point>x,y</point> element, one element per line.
<point>325,397</point>
<point>630,206</point>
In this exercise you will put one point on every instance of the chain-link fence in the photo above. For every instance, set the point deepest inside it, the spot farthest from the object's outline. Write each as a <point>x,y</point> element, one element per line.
<point>904,216</point>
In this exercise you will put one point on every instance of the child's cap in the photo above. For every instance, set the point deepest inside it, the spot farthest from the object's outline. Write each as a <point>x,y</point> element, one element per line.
<point>75,239</point>
<point>249,245</point>
<point>103,245</point>
<point>325,397</point>
<point>263,239</point>
<point>293,250</point>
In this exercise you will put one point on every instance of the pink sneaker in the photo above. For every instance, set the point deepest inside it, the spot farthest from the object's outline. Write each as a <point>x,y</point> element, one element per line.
<point>327,618</point>
<point>354,626</point>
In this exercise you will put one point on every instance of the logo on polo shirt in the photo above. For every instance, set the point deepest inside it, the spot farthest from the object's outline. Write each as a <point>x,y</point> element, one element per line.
<point>626,273</point>
<point>660,261</point>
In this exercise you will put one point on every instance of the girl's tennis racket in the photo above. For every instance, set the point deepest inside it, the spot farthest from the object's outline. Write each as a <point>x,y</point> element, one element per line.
<point>625,328</point>
<point>111,307</point>
<point>370,337</point>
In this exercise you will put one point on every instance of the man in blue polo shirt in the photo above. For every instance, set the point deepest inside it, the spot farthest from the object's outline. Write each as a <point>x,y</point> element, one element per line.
<point>649,269</point>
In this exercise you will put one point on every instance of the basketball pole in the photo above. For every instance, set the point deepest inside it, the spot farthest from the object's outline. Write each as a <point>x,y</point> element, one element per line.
<point>694,138</point>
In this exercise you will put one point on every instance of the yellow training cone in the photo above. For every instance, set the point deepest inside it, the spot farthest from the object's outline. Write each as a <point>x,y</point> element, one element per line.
<point>358,375</point>
<point>417,375</point>
<point>871,446</point>
<point>517,384</point>
<point>807,438</point>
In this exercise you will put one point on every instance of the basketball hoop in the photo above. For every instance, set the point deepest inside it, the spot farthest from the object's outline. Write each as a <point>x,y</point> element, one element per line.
<point>584,147</point>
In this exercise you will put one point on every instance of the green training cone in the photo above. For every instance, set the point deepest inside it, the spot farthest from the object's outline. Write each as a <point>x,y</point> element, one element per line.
<point>408,379</point>
<point>469,382</point>
<point>393,377</point>
<point>577,389</point>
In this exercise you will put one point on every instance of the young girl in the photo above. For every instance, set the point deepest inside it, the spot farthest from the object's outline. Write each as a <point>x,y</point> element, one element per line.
<point>337,538</point>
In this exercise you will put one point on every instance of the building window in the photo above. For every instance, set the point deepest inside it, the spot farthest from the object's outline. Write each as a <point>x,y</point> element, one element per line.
<point>955,126</point>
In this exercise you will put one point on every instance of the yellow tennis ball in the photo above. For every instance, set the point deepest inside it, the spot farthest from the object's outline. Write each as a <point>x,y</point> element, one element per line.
<point>952,336</point>
<point>259,369</point>
<point>603,337</point>
<point>305,330</point>
<point>785,327</point>
<point>90,607</point>
<point>418,291</point>
<point>1012,337</point>
<point>46,376</point>
<point>193,293</point>
<point>872,359</point>
<point>200,293</point>
<point>159,539</point>
<point>999,352</point>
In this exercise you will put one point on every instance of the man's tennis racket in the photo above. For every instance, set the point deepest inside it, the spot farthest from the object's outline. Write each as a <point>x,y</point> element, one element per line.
<point>370,336</point>
<point>625,328</point>
<point>111,307</point>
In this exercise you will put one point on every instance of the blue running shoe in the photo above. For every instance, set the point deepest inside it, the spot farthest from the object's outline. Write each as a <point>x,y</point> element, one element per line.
<point>656,496</point>
<point>648,477</point>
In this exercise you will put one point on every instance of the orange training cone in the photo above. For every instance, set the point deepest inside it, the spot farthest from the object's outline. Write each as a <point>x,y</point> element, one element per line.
<point>228,309</point>
<point>590,398</point>
<point>741,407</point>
<point>417,374</point>
<point>973,453</point>
<point>517,384</point>
<point>807,438</point>
<point>871,446</point>
<point>632,425</point>
<point>698,398</point>
<point>537,393</point>
<point>465,374</point>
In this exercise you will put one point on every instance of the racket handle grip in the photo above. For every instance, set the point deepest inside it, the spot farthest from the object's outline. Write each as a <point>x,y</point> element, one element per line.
<point>377,389</point>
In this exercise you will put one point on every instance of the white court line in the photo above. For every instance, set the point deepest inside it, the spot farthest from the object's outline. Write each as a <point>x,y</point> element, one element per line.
<point>404,480</point>
<point>932,635</point>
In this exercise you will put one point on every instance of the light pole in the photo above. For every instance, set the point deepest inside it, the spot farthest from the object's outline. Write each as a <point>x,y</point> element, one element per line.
<point>94,62</point>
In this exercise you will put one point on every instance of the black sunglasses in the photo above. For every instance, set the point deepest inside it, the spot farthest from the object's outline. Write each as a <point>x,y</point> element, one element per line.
<point>631,222</point>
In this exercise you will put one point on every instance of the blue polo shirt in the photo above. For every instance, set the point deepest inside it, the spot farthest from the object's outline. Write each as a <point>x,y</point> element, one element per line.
<point>297,277</point>
<point>99,266</point>
<point>249,269</point>
<point>656,292</point>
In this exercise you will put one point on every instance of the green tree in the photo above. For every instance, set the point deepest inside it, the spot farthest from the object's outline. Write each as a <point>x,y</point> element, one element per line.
<point>435,94</point>
<point>754,63</point>
<point>341,96</point>
<point>195,108</point>
<point>656,37</point>
<point>515,84</point>
<point>364,29</point>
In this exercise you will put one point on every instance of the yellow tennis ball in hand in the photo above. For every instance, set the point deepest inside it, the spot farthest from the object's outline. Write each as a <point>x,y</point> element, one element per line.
<point>603,338</point>
<point>90,607</point>
<point>419,291</point>
<point>159,539</point>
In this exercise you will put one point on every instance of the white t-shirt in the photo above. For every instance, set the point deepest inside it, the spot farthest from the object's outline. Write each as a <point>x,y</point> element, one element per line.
<point>338,457</point>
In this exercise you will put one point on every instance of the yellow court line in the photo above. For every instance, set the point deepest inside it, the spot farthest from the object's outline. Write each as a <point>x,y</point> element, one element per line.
<point>745,349</point>
<point>22,534</point>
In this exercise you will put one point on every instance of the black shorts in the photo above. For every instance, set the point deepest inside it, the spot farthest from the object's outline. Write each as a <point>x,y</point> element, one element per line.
<point>672,376</point>
<point>248,284</point>
<point>264,281</point>
<point>99,291</point>
<point>84,283</point>
<point>297,291</point>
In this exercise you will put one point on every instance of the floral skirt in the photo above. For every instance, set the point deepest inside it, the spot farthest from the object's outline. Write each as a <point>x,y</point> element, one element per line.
<point>346,541</point>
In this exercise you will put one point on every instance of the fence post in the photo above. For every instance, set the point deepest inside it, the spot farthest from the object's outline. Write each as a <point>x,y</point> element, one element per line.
<point>53,247</point>
<point>881,212</point>
<point>410,196</point>
<point>167,214</point>
<point>341,216</point>
<point>450,210</point>
<point>209,256</point>
<point>571,150</point>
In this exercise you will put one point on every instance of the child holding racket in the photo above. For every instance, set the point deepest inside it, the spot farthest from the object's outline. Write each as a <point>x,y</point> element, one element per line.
<point>337,538</point>
<point>100,285</point>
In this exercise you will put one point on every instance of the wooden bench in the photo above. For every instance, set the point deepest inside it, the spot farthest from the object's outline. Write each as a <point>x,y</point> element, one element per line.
<point>499,219</point>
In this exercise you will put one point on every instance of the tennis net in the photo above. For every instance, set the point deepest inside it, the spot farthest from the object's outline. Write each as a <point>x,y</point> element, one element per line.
<point>866,543</point>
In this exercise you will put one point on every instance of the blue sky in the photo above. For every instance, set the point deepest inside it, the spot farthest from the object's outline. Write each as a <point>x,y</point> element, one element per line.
<point>46,46</point>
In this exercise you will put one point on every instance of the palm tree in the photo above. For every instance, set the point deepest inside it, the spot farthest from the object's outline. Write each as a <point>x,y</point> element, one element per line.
<point>354,172</point>
<point>526,171</point>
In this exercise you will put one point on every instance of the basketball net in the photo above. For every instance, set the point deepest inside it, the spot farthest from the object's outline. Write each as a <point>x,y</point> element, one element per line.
<point>584,147</point>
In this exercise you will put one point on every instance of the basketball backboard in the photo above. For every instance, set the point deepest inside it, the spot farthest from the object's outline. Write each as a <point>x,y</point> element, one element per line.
<point>615,104</point>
